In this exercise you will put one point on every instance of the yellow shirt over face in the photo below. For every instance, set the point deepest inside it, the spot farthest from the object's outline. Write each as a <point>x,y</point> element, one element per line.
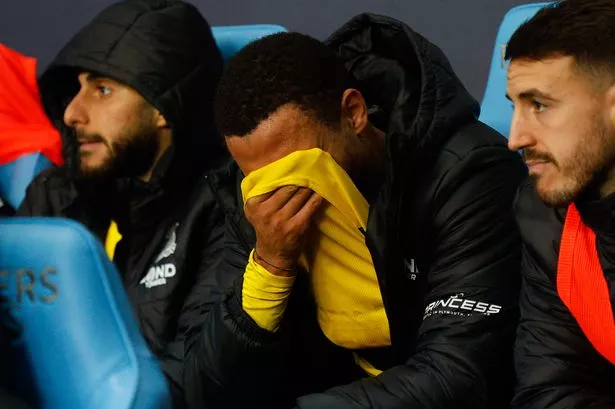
<point>345,286</point>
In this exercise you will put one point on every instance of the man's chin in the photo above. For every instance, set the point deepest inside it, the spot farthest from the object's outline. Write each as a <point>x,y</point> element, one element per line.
<point>553,200</point>
<point>94,173</point>
<point>555,197</point>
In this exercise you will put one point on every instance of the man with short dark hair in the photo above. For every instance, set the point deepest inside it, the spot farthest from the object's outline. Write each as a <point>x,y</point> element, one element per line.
<point>561,80</point>
<point>132,96</point>
<point>381,254</point>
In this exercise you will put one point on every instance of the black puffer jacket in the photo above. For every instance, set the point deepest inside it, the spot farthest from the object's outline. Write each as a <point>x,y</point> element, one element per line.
<point>446,208</point>
<point>557,367</point>
<point>171,226</point>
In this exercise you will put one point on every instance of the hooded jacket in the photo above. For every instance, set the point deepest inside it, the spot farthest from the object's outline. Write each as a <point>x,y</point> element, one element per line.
<point>557,366</point>
<point>171,226</point>
<point>444,244</point>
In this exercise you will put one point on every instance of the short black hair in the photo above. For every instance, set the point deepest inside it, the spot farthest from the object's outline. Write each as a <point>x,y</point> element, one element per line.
<point>582,29</point>
<point>280,69</point>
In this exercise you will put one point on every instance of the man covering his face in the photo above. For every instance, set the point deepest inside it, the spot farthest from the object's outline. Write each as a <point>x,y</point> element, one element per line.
<point>372,255</point>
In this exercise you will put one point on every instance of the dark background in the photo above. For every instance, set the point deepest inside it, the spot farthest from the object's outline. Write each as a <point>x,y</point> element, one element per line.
<point>464,29</point>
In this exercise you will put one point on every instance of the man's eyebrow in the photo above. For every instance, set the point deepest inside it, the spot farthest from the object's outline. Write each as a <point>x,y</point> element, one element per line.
<point>93,77</point>
<point>530,94</point>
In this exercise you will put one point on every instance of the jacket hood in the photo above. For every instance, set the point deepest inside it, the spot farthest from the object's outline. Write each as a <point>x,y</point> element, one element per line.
<point>409,85</point>
<point>164,49</point>
<point>24,127</point>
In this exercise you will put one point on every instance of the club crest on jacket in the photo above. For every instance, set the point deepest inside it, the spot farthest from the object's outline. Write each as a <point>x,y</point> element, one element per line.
<point>158,274</point>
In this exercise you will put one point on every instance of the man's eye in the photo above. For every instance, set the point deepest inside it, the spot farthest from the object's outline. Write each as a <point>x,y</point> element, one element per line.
<point>104,91</point>
<point>538,107</point>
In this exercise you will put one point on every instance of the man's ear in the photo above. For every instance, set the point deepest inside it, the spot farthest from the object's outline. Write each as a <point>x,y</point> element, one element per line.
<point>354,110</point>
<point>610,105</point>
<point>161,121</point>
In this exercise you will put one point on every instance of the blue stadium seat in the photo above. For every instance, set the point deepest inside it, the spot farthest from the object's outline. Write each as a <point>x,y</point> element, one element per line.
<point>16,176</point>
<point>79,344</point>
<point>496,110</point>
<point>231,39</point>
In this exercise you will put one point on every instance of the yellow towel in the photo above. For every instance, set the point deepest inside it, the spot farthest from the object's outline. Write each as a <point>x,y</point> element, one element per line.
<point>350,308</point>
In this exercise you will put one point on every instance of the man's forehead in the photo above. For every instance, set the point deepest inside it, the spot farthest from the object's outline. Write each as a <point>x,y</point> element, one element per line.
<point>286,130</point>
<point>281,125</point>
<point>546,75</point>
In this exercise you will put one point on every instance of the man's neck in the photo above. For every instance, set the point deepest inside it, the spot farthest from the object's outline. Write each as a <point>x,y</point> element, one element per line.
<point>372,181</point>
<point>597,203</point>
<point>608,187</point>
<point>146,177</point>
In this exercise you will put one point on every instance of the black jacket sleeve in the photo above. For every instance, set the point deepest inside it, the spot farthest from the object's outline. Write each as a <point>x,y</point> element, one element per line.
<point>463,357</point>
<point>230,361</point>
<point>557,368</point>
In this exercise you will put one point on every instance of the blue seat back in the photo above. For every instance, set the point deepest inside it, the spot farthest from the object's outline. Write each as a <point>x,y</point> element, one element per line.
<point>15,176</point>
<point>231,39</point>
<point>79,344</point>
<point>496,110</point>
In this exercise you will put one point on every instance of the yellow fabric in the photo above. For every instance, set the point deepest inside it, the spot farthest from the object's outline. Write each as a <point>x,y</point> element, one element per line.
<point>264,295</point>
<point>350,308</point>
<point>113,237</point>
<point>366,366</point>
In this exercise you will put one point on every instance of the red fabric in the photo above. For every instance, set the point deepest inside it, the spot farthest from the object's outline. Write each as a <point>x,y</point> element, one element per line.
<point>582,286</point>
<point>24,126</point>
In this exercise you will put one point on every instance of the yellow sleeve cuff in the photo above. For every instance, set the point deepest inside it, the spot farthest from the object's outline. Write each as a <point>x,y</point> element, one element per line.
<point>264,295</point>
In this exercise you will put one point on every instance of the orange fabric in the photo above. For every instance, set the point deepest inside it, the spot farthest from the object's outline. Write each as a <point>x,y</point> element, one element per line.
<point>24,126</point>
<point>582,286</point>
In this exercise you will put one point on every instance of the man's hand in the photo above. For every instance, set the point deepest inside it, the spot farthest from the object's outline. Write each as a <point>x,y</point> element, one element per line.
<point>281,220</point>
